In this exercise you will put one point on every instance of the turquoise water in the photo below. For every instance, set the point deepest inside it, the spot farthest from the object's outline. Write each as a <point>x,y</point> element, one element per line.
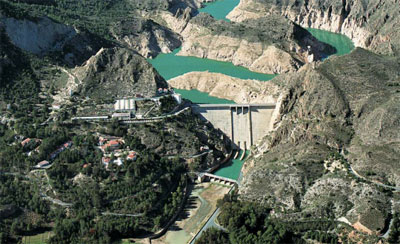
<point>169,65</point>
<point>232,169</point>
<point>342,43</point>
<point>202,97</point>
<point>220,9</point>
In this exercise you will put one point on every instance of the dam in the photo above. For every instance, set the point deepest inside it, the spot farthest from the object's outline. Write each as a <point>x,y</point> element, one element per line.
<point>244,124</point>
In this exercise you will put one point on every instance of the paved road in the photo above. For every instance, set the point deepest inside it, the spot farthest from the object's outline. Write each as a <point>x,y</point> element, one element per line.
<point>122,215</point>
<point>352,171</point>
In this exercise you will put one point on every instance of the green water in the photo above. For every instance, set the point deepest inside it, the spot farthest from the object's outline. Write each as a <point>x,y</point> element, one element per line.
<point>232,169</point>
<point>342,43</point>
<point>220,9</point>
<point>202,97</point>
<point>169,65</point>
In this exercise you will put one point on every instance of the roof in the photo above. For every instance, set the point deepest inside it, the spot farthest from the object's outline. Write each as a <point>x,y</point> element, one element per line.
<point>44,162</point>
<point>25,141</point>
<point>113,142</point>
<point>132,155</point>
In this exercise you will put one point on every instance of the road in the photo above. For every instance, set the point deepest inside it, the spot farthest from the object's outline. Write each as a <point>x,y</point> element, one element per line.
<point>122,215</point>
<point>353,172</point>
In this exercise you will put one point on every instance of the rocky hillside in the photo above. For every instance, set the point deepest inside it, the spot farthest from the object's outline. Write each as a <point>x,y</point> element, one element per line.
<point>118,72</point>
<point>344,111</point>
<point>43,36</point>
<point>372,24</point>
<point>227,87</point>
<point>268,45</point>
<point>145,36</point>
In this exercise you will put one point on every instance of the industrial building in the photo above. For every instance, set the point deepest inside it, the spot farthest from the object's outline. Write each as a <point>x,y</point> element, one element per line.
<point>125,104</point>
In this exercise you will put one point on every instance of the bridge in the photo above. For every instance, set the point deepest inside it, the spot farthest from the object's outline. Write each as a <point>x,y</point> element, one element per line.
<point>244,124</point>
<point>215,178</point>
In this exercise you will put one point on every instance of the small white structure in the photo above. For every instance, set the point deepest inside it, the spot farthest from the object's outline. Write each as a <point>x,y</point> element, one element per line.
<point>178,98</point>
<point>121,115</point>
<point>118,161</point>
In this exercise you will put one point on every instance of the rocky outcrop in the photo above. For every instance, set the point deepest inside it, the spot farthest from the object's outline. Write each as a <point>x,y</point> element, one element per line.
<point>370,24</point>
<point>44,36</point>
<point>118,72</point>
<point>255,44</point>
<point>38,37</point>
<point>145,36</point>
<point>227,87</point>
<point>346,105</point>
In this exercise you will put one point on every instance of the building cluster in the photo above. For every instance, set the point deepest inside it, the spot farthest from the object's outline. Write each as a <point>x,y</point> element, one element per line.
<point>114,151</point>
<point>31,143</point>
<point>45,163</point>
<point>127,108</point>
<point>61,149</point>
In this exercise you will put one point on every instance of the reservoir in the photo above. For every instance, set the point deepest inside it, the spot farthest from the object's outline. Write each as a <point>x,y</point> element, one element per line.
<point>170,65</point>
<point>220,9</point>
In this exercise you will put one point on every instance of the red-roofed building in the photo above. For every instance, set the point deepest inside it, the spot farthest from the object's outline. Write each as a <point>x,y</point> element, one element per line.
<point>26,141</point>
<point>131,156</point>
<point>111,145</point>
<point>42,164</point>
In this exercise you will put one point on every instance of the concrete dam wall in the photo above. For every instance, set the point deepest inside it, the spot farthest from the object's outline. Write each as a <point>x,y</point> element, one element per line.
<point>244,124</point>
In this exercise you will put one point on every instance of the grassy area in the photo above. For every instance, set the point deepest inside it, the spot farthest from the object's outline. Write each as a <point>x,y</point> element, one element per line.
<point>37,239</point>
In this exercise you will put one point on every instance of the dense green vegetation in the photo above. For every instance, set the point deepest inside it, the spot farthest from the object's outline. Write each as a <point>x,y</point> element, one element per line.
<point>136,198</point>
<point>394,236</point>
<point>151,187</point>
<point>250,223</point>
<point>247,222</point>
<point>19,86</point>
<point>213,235</point>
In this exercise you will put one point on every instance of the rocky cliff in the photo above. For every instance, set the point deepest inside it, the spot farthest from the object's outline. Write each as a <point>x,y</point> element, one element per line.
<point>347,105</point>
<point>145,36</point>
<point>43,36</point>
<point>268,45</point>
<point>370,24</point>
<point>118,72</point>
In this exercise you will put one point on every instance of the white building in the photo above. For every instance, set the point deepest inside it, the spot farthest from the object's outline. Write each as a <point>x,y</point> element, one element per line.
<point>125,104</point>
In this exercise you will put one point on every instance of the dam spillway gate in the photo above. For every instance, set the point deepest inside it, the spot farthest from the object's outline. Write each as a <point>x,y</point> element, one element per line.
<point>244,124</point>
